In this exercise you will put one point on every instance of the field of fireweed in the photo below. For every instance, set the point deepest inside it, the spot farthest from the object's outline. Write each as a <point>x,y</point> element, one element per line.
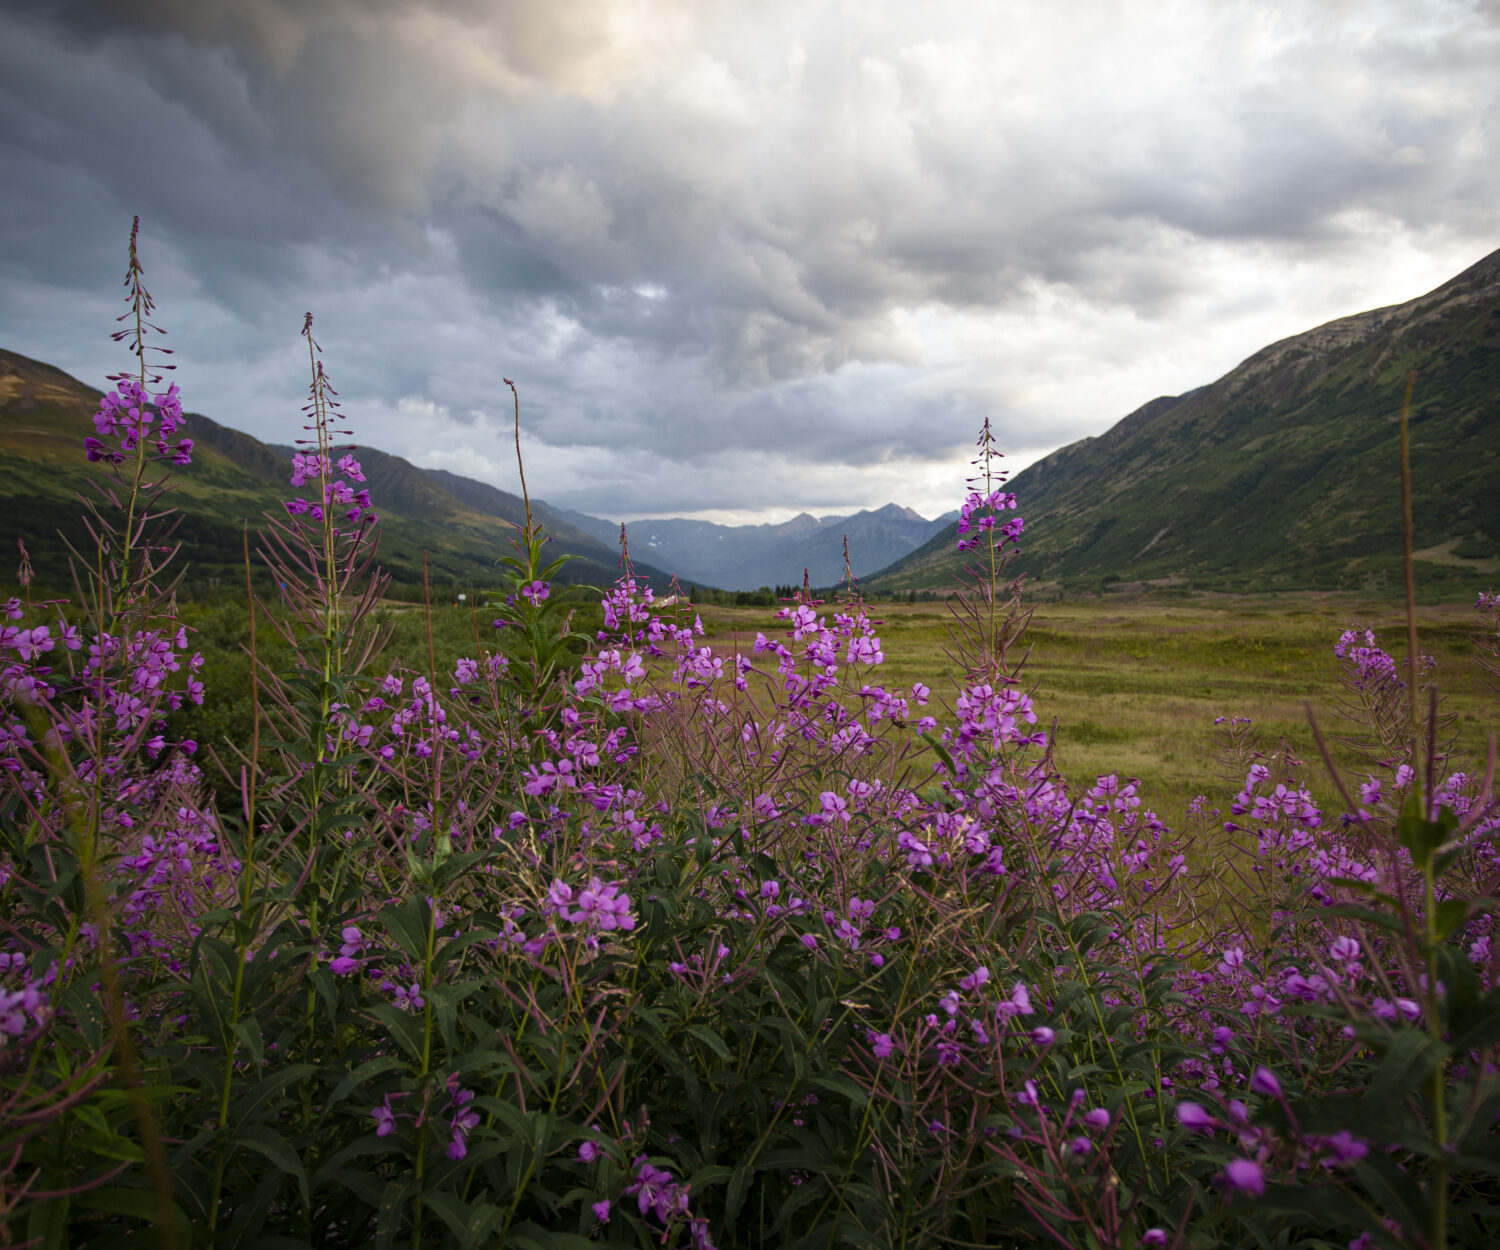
<point>659,949</point>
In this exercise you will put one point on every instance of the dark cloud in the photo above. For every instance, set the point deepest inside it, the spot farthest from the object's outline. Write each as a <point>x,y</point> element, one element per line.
<point>804,237</point>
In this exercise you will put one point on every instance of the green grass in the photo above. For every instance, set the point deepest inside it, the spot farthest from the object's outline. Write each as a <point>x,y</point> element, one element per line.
<point>1135,687</point>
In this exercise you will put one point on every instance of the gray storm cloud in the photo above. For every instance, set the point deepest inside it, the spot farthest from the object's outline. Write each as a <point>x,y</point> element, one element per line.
<point>821,234</point>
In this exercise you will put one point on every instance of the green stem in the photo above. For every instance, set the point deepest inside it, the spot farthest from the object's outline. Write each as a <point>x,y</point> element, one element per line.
<point>1438,1085</point>
<point>231,1040</point>
<point>421,1165</point>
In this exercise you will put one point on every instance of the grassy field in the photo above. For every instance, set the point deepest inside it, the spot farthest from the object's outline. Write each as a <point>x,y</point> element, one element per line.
<point>1136,686</point>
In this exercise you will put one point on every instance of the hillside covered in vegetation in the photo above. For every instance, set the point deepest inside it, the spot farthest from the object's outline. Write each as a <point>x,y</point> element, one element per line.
<point>1283,474</point>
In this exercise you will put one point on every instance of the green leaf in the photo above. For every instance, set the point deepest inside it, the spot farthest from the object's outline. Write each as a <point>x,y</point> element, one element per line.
<point>1395,1191</point>
<point>1408,1063</point>
<point>402,1026</point>
<point>111,1146</point>
<point>267,1088</point>
<point>1366,915</point>
<point>326,986</point>
<point>1482,1026</point>
<point>445,1010</point>
<point>388,1216</point>
<point>837,1083</point>
<point>264,1140</point>
<point>734,1195</point>
<point>468,1223</point>
<point>712,1174</point>
<point>358,1182</point>
<point>370,1068</point>
<point>407,925</point>
<point>369,1144</point>
<point>1451,914</point>
<point>1420,836</point>
<point>527,1234</point>
<point>456,947</point>
<point>710,1039</point>
<point>1322,1205</point>
<point>248,1031</point>
<point>140,1203</point>
<point>940,750</point>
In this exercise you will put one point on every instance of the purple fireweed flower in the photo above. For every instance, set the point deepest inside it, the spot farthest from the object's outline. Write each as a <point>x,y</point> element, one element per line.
<point>881,1045</point>
<point>653,1188</point>
<point>33,643</point>
<point>1097,1119</point>
<point>408,998</point>
<point>1245,1176</point>
<point>1264,1081</point>
<point>601,1210</point>
<point>1344,948</point>
<point>349,953</point>
<point>1342,1149</point>
<point>918,855</point>
<point>19,1009</point>
<point>463,1122</point>
<point>1194,1118</point>
<point>1154,1237</point>
<point>975,979</point>
<point>385,1118</point>
<point>1371,665</point>
<point>536,591</point>
<point>1019,1003</point>
<point>600,904</point>
<point>589,1151</point>
<point>1042,1035</point>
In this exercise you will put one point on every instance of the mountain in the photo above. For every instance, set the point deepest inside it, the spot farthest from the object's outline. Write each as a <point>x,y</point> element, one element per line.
<point>747,557</point>
<point>1285,473</point>
<point>464,526</point>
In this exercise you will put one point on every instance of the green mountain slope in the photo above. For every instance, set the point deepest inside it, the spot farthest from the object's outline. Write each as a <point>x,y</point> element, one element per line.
<point>1284,474</point>
<point>45,416</point>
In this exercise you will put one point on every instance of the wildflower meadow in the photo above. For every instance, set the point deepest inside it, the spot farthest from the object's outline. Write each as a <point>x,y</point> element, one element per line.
<point>667,947</point>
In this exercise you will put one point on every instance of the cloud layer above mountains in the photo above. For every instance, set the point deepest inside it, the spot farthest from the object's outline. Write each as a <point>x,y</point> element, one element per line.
<point>739,259</point>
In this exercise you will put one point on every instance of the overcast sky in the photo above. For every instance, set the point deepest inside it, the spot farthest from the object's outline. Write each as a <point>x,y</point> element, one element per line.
<point>742,260</point>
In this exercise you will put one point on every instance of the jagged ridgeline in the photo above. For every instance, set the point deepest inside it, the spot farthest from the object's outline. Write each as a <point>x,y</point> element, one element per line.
<point>464,526</point>
<point>1283,474</point>
<point>743,557</point>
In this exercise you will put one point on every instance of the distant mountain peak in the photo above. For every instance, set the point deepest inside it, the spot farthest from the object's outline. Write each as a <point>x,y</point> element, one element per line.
<point>897,510</point>
<point>802,523</point>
